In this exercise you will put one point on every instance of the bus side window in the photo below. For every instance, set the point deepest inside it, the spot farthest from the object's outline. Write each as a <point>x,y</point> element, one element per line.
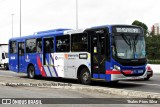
<point>12,48</point>
<point>31,46</point>
<point>39,45</point>
<point>79,42</point>
<point>49,45</point>
<point>63,43</point>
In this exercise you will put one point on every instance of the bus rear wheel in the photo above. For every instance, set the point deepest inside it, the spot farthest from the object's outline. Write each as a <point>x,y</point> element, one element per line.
<point>6,67</point>
<point>85,76</point>
<point>31,72</point>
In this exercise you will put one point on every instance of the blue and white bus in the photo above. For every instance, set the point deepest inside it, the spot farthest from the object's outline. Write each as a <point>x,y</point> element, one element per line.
<point>110,53</point>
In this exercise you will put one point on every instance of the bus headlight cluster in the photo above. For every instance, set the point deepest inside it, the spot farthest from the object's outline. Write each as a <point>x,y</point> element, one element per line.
<point>117,67</point>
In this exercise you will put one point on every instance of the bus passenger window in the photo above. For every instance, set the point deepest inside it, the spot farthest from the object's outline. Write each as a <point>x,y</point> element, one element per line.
<point>13,49</point>
<point>39,45</point>
<point>79,42</point>
<point>63,43</point>
<point>49,45</point>
<point>31,46</point>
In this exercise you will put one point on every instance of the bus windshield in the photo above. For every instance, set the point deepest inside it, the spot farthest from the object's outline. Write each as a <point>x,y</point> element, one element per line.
<point>129,46</point>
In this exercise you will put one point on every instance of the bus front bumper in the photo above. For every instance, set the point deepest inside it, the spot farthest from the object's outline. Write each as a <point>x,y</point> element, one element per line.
<point>118,76</point>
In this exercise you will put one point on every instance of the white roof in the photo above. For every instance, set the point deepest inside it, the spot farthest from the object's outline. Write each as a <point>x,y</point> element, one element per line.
<point>73,31</point>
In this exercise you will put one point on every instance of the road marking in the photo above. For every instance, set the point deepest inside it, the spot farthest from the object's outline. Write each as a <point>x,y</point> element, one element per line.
<point>140,83</point>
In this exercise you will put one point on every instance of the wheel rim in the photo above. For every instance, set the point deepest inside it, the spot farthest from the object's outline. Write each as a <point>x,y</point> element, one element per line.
<point>31,73</point>
<point>85,76</point>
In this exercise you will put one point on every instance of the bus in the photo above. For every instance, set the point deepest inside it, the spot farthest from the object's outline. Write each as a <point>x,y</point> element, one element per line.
<point>110,53</point>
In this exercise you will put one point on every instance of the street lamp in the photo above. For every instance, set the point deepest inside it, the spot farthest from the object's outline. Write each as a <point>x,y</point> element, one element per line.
<point>12,24</point>
<point>76,14</point>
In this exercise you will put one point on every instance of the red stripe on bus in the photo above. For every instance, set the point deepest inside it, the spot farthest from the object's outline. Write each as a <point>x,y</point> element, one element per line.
<point>112,72</point>
<point>40,67</point>
<point>127,71</point>
<point>118,72</point>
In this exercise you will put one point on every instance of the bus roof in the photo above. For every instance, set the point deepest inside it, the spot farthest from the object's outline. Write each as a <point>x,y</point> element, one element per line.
<point>114,25</point>
<point>42,34</point>
<point>63,31</point>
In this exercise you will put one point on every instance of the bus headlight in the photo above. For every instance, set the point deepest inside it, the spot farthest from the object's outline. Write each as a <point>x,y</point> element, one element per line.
<point>117,67</point>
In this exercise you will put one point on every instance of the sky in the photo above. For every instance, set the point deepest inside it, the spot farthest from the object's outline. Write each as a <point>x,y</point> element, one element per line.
<point>40,15</point>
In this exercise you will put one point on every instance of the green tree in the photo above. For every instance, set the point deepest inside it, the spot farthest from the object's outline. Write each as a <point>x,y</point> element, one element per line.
<point>153,47</point>
<point>141,24</point>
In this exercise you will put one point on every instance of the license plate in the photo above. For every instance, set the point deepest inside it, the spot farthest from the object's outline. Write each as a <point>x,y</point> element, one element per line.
<point>135,78</point>
<point>140,71</point>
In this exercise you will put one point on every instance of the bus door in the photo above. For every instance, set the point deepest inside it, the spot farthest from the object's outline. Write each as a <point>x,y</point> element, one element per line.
<point>48,57</point>
<point>21,57</point>
<point>98,52</point>
<point>48,51</point>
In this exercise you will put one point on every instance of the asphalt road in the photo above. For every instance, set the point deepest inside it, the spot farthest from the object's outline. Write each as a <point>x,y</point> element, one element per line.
<point>79,98</point>
<point>37,92</point>
<point>151,85</point>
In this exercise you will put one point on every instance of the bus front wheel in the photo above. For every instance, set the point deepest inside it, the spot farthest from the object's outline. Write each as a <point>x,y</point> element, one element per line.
<point>85,77</point>
<point>31,72</point>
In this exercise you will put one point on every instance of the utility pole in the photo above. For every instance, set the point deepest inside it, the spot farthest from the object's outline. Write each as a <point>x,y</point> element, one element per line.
<point>12,24</point>
<point>20,18</point>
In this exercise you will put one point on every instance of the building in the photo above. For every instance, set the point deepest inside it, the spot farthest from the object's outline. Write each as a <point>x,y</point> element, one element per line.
<point>156,29</point>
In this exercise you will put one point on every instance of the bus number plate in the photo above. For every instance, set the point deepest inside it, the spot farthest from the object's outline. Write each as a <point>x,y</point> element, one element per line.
<point>140,71</point>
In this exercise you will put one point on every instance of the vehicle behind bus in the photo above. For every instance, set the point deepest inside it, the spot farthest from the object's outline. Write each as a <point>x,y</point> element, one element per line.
<point>4,56</point>
<point>110,53</point>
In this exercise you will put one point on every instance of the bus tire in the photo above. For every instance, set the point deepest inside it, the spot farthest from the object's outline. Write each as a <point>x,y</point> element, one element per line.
<point>6,66</point>
<point>31,72</point>
<point>85,76</point>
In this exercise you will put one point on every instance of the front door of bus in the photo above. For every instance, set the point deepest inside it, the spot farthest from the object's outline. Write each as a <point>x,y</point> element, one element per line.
<point>98,53</point>
<point>21,58</point>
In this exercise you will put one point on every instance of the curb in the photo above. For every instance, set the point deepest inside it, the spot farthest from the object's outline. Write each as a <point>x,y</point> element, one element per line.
<point>114,91</point>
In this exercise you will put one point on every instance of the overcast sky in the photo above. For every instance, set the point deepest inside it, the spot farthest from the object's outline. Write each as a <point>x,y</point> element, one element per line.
<point>39,15</point>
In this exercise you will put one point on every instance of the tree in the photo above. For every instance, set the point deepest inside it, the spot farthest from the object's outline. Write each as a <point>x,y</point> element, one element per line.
<point>153,47</point>
<point>144,26</point>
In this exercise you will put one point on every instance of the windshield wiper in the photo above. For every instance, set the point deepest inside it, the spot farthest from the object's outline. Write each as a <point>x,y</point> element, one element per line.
<point>135,42</point>
<point>128,41</point>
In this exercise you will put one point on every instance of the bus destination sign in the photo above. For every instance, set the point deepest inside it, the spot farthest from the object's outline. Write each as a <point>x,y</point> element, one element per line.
<point>127,30</point>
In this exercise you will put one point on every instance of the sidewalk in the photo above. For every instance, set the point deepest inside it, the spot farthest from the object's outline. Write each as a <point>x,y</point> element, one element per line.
<point>155,67</point>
